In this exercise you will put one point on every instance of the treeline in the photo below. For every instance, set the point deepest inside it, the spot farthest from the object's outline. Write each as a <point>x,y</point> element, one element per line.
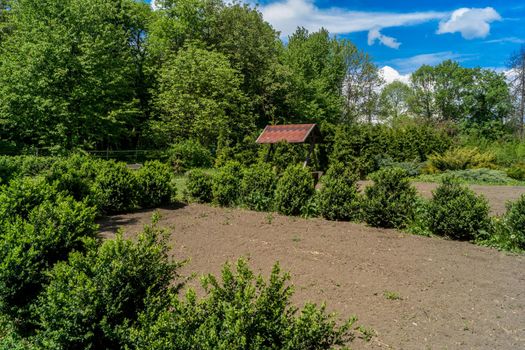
<point>104,74</point>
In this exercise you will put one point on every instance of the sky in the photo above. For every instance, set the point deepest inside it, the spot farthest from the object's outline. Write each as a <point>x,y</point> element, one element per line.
<point>403,35</point>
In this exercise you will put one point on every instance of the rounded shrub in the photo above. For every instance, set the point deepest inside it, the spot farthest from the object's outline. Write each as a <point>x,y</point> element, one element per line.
<point>115,188</point>
<point>226,184</point>
<point>457,212</point>
<point>189,154</point>
<point>294,190</point>
<point>390,201</point>
<point>23,194</point>
<point>258,187</point>
<point>339,198</point>
<point>199,186</point>
<point>515,221</point>
<point>155,184</point>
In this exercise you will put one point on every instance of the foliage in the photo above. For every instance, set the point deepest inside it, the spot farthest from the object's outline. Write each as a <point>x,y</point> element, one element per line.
<point>339,198</point>
<point>390,201</point>
<point>294,190</point>
<point>472,176</point>
<point>155,185</point>
<point>242,311</point>
<point>508,232</point>
<point>23,194</point>
<point>200,186</point>
<point>517,172</point>
<point>460,159</point>
<point>457,212</point>
<point>226,184</point>
<point>93,297</point>
<point>29,248</point>
<point>17,166</point>
<point>115,188</point>
<point>394,101</point>
<point>189,154</point>
<point>258,187</point>
<point>412,168</point>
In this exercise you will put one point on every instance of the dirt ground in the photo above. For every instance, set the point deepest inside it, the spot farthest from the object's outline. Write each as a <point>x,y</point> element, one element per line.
<point>449,295</point>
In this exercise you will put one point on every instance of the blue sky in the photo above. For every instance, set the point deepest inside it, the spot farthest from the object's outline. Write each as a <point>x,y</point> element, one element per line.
<point>406,34</point>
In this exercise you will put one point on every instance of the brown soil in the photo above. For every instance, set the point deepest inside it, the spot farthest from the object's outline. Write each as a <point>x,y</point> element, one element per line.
<point>453,294</point>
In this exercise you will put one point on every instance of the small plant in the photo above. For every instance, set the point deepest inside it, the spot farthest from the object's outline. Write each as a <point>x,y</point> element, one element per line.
<point>269,218</point>
<point>258,187</point>
<point>366,333</point>
<point>226,184</point>
<point>189,154</point>
<point>294,190</point>
<point>456,211</point>
<point>390,201</point>
<point>390,295</point>
<point>199,186</point>
<point>155,184</point>
<point>339,198</point>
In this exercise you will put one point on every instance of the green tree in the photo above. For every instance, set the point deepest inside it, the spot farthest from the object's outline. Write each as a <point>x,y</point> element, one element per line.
<point>199,96</point>
<point>423,102</point>
<point>4,19</point>
<point>394,100</point>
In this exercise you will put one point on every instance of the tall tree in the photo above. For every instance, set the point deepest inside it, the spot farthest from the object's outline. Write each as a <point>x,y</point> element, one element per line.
<point>394,100</point>
<point>517,83</point>
<point>4,13</point>
<point>423,102</point>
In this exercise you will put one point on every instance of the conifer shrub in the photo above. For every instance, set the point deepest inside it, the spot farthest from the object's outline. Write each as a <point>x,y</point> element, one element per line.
<point>455,211</point>
<point>155,184</point>
<point>199,186</point>
<point>517,172</point>
<point>460,159</point>
<point>226,184</point>
<point>294,190</point>
<point>339,198</point>
<point>390,201</point>
<point>258,187</point>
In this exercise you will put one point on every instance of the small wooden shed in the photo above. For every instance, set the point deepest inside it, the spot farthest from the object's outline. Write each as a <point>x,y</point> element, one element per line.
<point>292,133</point>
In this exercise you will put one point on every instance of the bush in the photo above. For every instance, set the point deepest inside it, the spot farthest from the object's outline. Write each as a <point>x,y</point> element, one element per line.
<point>258,187</point>
<point>242,311</point>
<point>115,188</point>
<point>457,212</point>
<point>189,154</point>
<point>476,176</point>
<point>92,298</point>
<point>294,190</point>
<point>199,186</point>
<point>29,248</point>
<point>23,194</point>
<point>226,184</point>
<point>510,235</point>
<point>390,201</point>
<point>339,197</point>
<point>18,166</point>
<point>460,159</point>
<point>155,184</point>
<point>517,172</point>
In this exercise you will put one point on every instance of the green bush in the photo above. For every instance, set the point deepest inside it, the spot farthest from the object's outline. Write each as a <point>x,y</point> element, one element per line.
<point>476,176</point>
<point>460,159</point>
<point>339,197</point>
<point>513,235</point>
<point>517,172</point>
<point>457,212</point>
<point>226,184</point>
<point>29,248</point>
<point>258,187</point>
<point>92,298</point>
<point>241,312</point>
<point>17,166</point>
<point>294,190</point>
<point>189,154</point>
<point>115,188</point>
<point>199,186</point>
<point>155,184</point>
<point>23,194</point>
<point>390,201</point>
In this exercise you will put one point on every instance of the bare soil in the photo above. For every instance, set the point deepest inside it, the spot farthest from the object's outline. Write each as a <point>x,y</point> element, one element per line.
<point>452,295</point>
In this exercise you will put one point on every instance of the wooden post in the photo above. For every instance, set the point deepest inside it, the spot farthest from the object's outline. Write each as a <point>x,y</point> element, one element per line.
<point>310,151</point>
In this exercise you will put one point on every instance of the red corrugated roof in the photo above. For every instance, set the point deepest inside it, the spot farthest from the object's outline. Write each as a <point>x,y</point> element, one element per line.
<point>293,133</point>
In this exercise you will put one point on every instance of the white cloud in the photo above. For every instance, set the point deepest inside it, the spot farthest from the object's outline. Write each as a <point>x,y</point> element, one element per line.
<point>287,15</point>
<point>472,23</point>
<point>410,64</point>
<point>376,35</point>
<point>510,39</point>
<point>390,75</point>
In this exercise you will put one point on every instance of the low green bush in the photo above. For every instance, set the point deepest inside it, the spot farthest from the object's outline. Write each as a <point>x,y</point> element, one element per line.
<point>339,198</point>
<point>155,184</point>
<point>509,231</point>
<point>199,186</point>
<point>460,159</point>
<point>240,312</point>
<point>189,154</point>
<point>226,184</point>
<point>115,188</point>
<point>457,212</point>
<point>23,194</point>
<point>92,298</point>
<point>474,176</point>
<point>18,166</point>
<point>517,172</point>
<point>390,201</point>
<point>258,187</point>
<point>294,190</point>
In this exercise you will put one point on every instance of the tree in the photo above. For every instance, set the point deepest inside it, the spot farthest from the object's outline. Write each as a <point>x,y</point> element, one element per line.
<point>517,85</point>
<point>394,100</point>
<point>4,20</point>
<point>67,73</point>
<point>199,96</point>
<point>423,102</point>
